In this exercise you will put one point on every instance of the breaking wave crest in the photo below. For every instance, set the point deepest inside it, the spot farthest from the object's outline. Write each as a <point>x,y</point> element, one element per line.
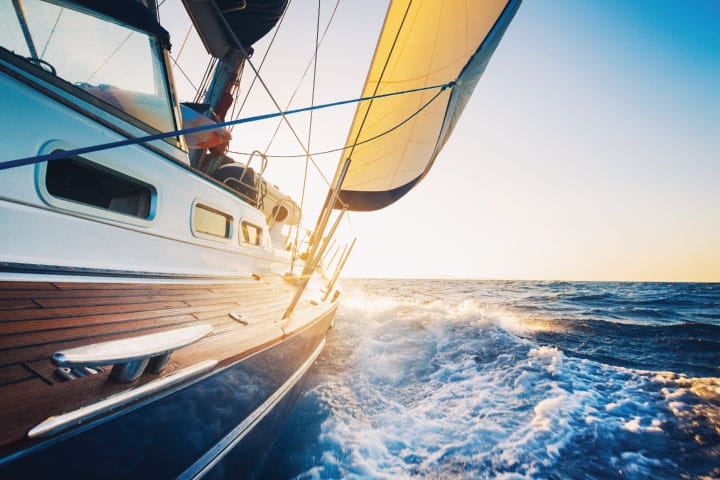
<point>429,382</point>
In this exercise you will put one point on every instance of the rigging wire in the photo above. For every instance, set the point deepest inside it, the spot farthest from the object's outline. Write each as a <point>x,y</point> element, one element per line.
<point>367,140</point>
<point>314,81</point>
<point>382,74</point>
<point>262,62</point>
<point>177,58</point>
<point>183,73</point>
<point>284,116</point>
<point>305,72</point>
<point>307,158</point>
<point>205,79</point>
<point>184,131</point>
<point>182,47</point>
<point>110,56</point>
<point>235,90</point>
<point>52,32</point>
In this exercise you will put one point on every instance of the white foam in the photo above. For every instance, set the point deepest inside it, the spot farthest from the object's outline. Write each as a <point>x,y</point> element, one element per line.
<point>443,389</point>
<point>633,425</point>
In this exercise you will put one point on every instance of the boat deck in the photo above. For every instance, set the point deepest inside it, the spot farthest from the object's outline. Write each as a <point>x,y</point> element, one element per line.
<point>39,319</point>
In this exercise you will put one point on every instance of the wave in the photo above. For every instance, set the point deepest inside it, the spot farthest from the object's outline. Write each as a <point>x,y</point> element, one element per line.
<point>690,348</point>
<point>628,302</point>
<point>412,385</point>
<point>590,297</point>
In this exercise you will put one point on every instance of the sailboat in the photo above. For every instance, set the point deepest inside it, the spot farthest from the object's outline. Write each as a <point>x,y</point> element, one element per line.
<point>158,309</point>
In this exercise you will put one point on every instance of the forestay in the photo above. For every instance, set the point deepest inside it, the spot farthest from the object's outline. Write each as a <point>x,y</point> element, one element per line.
<point>423,43</point>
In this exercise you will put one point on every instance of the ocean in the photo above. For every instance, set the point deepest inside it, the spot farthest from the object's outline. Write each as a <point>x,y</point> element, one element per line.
<point>454,379</point>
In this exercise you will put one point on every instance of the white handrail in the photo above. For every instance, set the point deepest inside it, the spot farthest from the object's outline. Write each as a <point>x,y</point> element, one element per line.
<point>131,356</point>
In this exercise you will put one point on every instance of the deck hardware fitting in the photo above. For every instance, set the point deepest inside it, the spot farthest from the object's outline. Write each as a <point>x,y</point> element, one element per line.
<point>130,357</point>
<point>238,317</point>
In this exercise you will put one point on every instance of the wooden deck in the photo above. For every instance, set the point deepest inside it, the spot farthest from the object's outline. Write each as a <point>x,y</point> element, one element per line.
<point>39,319</point>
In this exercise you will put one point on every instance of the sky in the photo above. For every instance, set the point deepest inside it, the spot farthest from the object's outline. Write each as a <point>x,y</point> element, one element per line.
<point>590,149</point>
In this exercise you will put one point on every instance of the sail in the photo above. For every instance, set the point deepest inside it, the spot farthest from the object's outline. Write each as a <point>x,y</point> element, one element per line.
<point>394,141</point>
<point>227,25</point>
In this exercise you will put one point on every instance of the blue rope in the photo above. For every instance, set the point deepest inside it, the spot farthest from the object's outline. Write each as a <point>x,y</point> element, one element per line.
<point>148,138</point>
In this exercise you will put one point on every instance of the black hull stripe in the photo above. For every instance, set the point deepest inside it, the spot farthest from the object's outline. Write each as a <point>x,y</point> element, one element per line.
<point>224,446</point>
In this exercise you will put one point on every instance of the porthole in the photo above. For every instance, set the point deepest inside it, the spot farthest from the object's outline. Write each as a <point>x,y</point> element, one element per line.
<point>250,234</point>
<point>79,180</point>
<point>208,221</point>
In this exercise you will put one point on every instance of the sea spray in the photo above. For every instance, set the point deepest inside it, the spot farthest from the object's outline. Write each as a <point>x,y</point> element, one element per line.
<point>463,379</point>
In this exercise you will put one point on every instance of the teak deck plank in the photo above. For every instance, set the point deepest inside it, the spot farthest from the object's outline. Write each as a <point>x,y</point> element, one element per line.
<point>43,337</point>
<point>39,319</point>
<point>227,347</point>
<point>30,408</point>
<point>44,347</point>
<point>146,286</point>
<point>17,304</point>
<point>40,313</point>
<point>14,373</point>
<point>25,326</point>
<point>27,285</point>
<point>137,299</point>
<point>95,292</point>
<point>58,298</point>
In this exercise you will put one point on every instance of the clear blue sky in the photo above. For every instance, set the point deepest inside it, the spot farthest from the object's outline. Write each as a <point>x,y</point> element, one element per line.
<point>590,149</point>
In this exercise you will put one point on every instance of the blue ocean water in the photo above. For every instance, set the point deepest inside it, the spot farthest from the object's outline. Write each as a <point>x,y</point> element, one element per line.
<point>505,379</point>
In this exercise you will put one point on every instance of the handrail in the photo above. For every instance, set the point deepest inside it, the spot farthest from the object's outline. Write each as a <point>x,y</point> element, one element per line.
<point>131,356</point>
<point>310,266</point>
<point>254,185</point>
<point>263,161</point>
<point>58,423</point>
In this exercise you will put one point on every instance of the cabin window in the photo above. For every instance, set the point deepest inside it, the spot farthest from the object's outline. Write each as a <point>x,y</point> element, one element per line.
<point>11,34</point>
<point>82,181</point>
<point>250,234</point>
<point>115,63</point>
<point>208,221</point>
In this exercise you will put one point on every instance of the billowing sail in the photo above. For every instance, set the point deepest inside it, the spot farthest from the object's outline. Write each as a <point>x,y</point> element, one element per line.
<point>423,43</point>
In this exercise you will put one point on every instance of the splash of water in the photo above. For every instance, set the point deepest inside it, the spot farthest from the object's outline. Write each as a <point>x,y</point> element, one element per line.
<point>441,383</point>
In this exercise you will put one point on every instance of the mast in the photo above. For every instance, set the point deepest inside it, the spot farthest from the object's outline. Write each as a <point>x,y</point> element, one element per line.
<point>228,29</point>
<point>219,97</point>
<point>225,78</point>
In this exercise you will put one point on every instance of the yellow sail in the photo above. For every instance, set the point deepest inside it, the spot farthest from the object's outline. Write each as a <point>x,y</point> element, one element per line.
<point>393,141</point>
